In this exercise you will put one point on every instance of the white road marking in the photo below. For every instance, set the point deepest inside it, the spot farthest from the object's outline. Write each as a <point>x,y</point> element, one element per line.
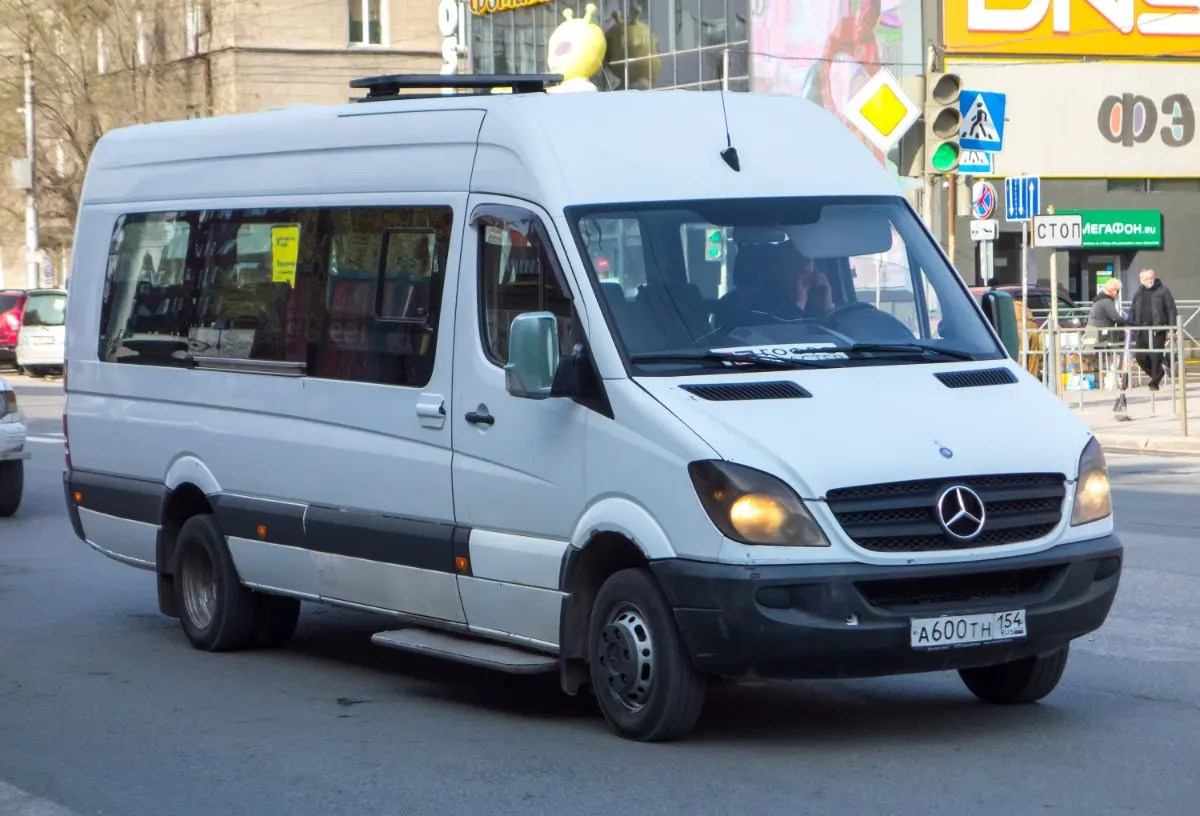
<point>16,802</point>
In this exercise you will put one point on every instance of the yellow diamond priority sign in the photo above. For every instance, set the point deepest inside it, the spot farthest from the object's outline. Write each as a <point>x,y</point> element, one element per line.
<point>882,110</point>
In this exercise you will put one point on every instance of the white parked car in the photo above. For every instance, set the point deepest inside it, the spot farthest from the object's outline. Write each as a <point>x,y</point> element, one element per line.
<point>12,451</point>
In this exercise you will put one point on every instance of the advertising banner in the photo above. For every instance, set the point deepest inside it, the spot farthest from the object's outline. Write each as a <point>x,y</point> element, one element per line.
<point>1072,28</point>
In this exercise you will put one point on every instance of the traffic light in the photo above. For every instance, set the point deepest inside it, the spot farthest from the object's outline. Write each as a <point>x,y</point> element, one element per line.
<point>714,244</point>
<point>942,122</point>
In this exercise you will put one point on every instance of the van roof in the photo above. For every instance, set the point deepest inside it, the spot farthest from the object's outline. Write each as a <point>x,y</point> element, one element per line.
<point>557,149</point>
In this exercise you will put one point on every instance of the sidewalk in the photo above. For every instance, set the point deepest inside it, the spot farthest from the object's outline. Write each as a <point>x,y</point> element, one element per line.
<point>1151,428</point>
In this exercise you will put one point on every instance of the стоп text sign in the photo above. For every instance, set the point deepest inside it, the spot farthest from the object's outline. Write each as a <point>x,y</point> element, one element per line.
<point>1107,28</point>
<point>1058,231</point>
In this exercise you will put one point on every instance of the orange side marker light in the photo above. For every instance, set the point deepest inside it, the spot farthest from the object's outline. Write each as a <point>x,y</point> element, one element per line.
<point>262,531</point>
<point>460,563</point>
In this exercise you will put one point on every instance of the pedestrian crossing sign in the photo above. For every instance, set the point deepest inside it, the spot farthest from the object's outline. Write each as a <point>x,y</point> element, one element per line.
<point>982,120</point>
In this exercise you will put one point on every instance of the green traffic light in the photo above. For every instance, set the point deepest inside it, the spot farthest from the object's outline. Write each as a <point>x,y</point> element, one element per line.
<point>945,157</point>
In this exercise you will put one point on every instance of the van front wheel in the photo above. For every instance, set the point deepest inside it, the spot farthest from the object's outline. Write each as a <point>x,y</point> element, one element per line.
<point>1021,681</point>
<point>216,611</point>
<point>646,685</point>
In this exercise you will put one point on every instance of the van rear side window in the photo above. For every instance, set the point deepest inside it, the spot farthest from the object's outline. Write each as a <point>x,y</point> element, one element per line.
<point>348,293</point>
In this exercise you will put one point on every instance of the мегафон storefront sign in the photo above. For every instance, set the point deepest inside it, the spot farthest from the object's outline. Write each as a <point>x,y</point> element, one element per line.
<point>1119,229</point>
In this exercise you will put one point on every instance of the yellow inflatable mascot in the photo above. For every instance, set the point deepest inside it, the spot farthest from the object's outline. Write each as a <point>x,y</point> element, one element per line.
<point>576,51</point>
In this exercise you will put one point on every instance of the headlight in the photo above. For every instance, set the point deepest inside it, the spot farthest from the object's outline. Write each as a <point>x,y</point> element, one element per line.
<point>1093,499</point>
<point>753,507</point>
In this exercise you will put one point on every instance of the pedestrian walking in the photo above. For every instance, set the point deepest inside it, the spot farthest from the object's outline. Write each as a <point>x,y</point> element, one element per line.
<point>1106,316</point>
<point>1153,309</point>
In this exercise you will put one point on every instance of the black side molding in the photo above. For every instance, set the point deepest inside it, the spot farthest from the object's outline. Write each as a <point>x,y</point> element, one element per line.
<point>119,496</point>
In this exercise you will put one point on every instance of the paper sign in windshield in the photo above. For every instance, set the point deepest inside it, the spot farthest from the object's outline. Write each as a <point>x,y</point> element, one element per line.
<point>791,351</point>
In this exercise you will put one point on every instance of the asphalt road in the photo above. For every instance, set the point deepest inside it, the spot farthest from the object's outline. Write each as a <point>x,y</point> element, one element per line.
<point>105,709</point>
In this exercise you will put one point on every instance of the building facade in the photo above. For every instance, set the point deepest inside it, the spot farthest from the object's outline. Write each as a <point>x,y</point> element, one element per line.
<point>1099,106</point>
<point>193,58</point>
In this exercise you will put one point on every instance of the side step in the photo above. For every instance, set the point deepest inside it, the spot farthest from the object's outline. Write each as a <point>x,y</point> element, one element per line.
<point>510,659</point>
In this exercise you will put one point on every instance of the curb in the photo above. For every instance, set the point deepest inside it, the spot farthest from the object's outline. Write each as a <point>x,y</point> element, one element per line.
<point>1137,443</point>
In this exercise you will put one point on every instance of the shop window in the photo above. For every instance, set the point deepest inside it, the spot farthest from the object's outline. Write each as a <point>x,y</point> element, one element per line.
<point>1174,185</point>
<point>366,22</point>
<point>1126,185</point>
<point>518,274</point>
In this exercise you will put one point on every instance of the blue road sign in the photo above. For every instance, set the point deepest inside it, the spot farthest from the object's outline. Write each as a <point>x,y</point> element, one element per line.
<point>1022,198</point>
<point>982,120</point>
<point>975,163</point>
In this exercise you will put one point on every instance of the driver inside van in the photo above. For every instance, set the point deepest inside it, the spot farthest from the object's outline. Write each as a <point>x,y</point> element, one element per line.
<point>798,288</point>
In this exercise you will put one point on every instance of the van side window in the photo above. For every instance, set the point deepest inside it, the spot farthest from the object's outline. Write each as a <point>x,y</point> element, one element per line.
<point>145,304</point>
<point>517,274</point>
<point>247,285</point>
<point>386,272</point>
<point>349,293</point>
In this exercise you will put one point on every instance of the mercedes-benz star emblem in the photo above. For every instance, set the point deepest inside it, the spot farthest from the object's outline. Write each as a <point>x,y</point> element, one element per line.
<point>961,512</point>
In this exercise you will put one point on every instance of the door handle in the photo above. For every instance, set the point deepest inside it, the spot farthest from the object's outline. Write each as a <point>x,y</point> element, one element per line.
<point>480,417</point>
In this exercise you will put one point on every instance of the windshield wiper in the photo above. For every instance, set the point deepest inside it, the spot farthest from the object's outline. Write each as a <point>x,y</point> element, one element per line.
<point>910,349</point>
<point>750,360</point>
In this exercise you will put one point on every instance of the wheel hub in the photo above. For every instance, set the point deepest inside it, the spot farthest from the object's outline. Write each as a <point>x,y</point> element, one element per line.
<point>626,654</point>
<point>199,588</point>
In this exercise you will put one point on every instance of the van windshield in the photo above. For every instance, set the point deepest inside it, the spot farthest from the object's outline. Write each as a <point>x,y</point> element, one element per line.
<point>835,281</point>
<point>45,310</point>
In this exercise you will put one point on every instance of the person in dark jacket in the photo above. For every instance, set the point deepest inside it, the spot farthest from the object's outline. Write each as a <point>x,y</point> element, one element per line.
<point>1105,316</point>
<point>1153,305</point>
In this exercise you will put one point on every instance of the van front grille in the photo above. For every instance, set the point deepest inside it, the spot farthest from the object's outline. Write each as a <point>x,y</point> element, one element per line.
<point>903,516</point>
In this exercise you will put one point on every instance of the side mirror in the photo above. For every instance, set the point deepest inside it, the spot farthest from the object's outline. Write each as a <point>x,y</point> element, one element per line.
<point>533,355</point>
<point>1001,312</point>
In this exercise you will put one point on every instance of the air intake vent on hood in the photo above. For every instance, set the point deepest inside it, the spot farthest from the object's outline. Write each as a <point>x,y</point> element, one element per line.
<point>976,379</point>
<point>748,391</point>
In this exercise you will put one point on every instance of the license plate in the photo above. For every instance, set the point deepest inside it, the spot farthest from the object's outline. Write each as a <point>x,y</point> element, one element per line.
<point>967,630</point>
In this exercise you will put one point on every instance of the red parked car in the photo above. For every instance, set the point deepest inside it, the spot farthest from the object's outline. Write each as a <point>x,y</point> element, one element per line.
<point>12,303</point>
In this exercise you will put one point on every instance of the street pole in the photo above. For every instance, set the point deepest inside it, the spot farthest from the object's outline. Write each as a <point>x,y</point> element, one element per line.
<point>927,201</point>
<point>951,214</point>
<point>1025,292</point>
<point>32,264</point>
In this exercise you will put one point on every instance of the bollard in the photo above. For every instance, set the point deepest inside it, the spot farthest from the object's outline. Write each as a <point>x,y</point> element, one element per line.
<point>1181,376</point>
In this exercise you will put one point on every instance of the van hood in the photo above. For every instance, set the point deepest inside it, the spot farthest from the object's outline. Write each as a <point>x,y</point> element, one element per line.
<point>871,424</point>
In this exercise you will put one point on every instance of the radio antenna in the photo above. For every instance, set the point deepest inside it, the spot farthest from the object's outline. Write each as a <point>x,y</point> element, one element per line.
<point>729,154</point>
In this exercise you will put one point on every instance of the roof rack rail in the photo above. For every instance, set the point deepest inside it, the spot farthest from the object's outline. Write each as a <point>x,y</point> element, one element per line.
<point>388,86</point>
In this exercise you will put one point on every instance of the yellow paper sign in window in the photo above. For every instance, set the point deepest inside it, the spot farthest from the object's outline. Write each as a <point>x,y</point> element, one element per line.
<point>285,248</point>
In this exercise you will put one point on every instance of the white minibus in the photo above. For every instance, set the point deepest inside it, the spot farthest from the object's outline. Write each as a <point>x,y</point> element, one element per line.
<point>637,388</point>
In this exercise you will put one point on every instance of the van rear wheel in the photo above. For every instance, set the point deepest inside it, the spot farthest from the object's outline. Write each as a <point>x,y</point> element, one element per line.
<point>1021,681</point>
<point>645,682</point>
<point>216,611</point>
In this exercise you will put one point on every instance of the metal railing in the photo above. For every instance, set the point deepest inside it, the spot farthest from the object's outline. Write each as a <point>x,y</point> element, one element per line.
<point>1077,361</point>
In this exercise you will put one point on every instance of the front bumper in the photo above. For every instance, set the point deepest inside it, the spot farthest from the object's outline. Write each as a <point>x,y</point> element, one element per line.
<point>854,620</point>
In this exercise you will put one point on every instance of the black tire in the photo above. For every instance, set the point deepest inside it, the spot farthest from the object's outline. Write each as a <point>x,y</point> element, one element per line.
<point>275,621</point>
<point>36,372</point>
<point>12,487</point>
<point>204,566</point>
<point>665,702</point>
<point>1021,681</point>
